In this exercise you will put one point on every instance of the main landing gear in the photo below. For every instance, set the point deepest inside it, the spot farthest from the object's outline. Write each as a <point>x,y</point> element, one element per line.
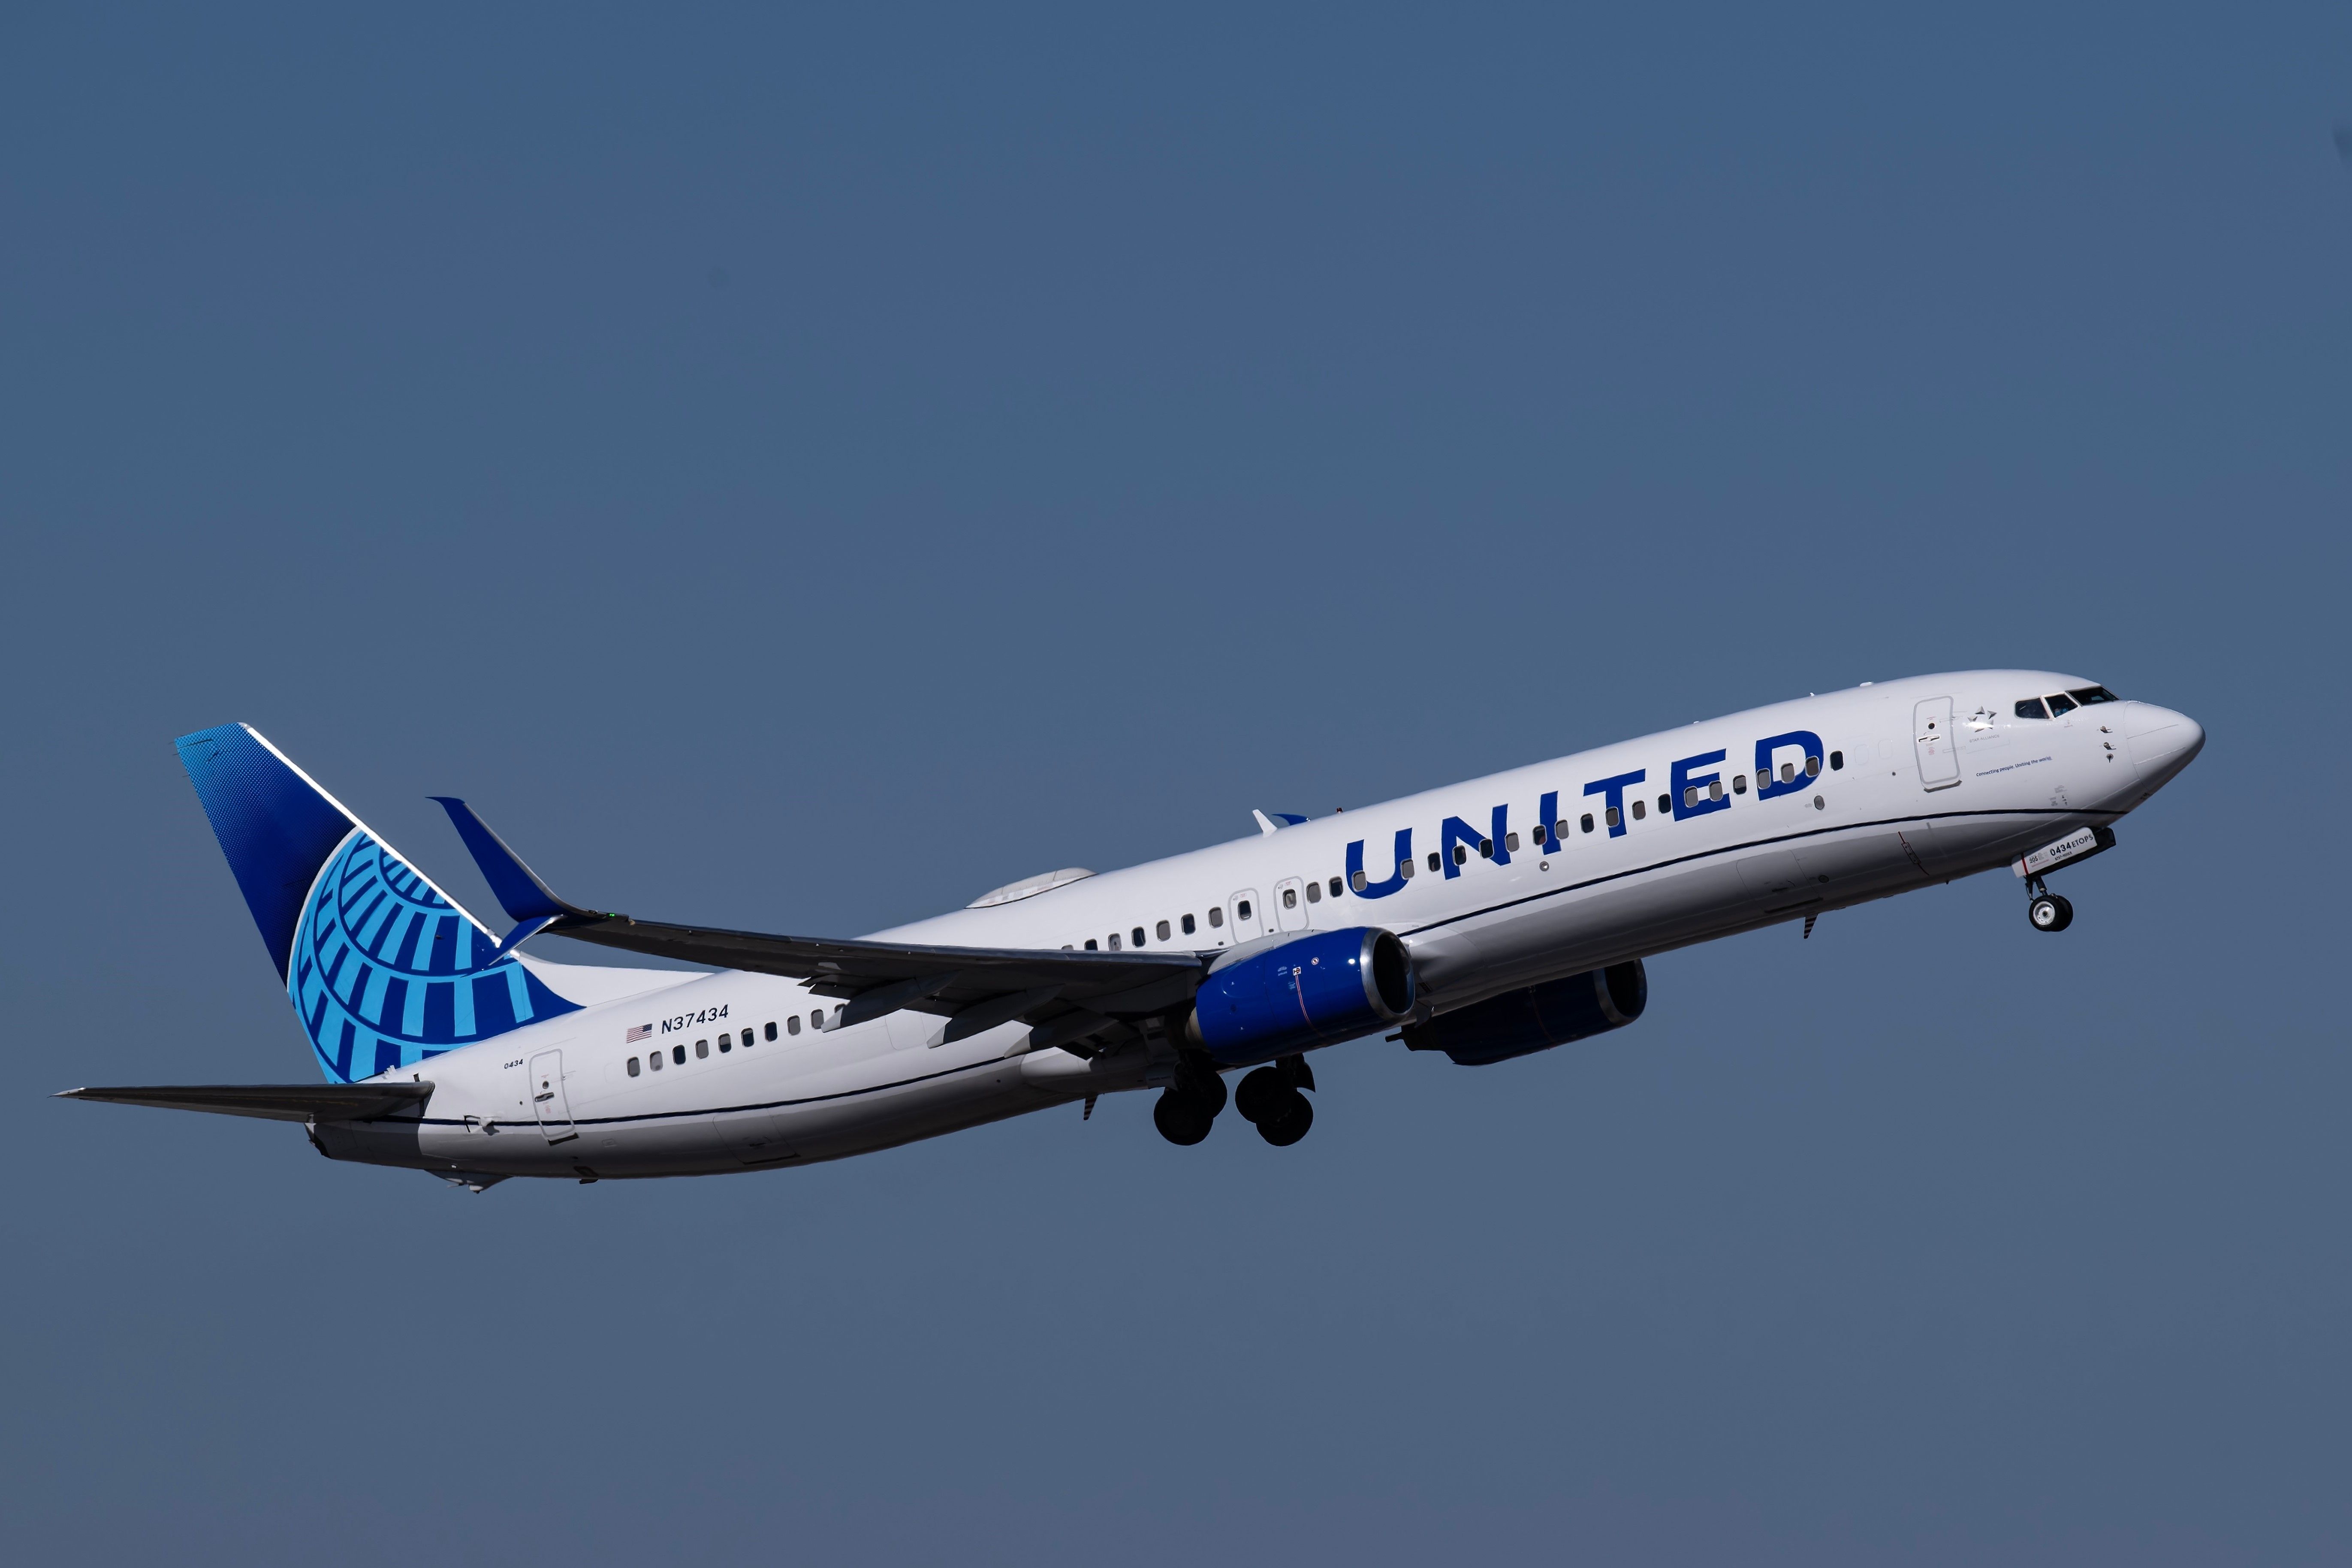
<point>1269,1098</point>
<point>2048,911</point>
<point>1188,1107</point>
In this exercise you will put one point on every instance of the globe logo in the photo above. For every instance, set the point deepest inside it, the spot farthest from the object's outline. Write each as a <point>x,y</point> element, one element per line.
<point>386,973</point>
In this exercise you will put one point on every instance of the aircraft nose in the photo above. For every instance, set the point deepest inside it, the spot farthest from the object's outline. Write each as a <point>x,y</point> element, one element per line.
<point>2162,742</point>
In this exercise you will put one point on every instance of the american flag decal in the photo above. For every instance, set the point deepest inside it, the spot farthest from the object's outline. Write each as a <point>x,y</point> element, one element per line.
<point>637,1033</point>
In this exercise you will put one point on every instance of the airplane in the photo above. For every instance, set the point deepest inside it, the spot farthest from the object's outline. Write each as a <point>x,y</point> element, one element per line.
<point>1486,921</point>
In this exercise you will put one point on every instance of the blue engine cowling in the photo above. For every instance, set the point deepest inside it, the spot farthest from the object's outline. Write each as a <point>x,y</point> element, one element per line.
<point>1317,988</point>
<point>1521,1023</point>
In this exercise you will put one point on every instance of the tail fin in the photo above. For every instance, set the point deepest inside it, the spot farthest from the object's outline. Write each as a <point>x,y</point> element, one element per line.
<point>383,968</point>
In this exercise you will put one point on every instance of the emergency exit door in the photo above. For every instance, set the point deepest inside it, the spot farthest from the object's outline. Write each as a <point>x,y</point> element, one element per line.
<point>1248,919</point>
<point>547,1100</point>
<point>1938,754</point>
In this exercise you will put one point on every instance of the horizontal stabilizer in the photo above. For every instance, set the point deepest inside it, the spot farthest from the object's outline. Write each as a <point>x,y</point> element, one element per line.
<point>277,1101</point>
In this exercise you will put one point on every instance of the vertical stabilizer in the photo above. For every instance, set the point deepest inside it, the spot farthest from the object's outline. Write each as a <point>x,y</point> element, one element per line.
<point>383,968</point>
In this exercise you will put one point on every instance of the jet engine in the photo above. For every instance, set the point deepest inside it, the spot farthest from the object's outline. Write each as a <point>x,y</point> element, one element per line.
<point>1317,987</point>
<point>1521,1023</point>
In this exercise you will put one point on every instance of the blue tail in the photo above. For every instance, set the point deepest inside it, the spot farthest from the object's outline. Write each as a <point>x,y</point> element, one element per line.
<point>383,968</point>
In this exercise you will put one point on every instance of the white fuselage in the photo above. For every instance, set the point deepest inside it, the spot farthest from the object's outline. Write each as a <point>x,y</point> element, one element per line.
<point>1888,811</point>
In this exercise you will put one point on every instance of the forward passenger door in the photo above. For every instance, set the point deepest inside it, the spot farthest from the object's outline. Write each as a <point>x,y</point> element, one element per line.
<point>1290,904</point>
<point>1932,741</point>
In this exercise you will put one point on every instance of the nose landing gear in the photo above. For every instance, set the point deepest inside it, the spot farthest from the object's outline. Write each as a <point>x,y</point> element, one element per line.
<point>2048,911</point>
<point>1270,1098</point>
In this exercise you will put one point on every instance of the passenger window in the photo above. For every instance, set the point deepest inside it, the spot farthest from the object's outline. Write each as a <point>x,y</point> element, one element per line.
<point>2087,695</point>
<point>1510,841</point>
<point>1404,869</point>
<point>1461,856</point>
<point>1788,772</point>
<point>1610,816</point>
<point>1335,887</point>
<point>1114,942</point>
<point>654,1060</point>
<point>1090,944</point>
<point>793,1025</point>
<point>677,1054</point>
<point>1242,911</point>
<point>2031,709</point>
<point>1359,882</point>
<point>727,1042</point>
<point>1163,931</point>
<point>1640,811</point>
<point>1314,892</point>
<point>1690,795</point>
<point>1216,917</point>
<point>2060,704</point>
<point>1587,820</point>
<point>1434,863</point>
<point>702,1049</point>
<point>1137,938</point>
<point>1188,925</point>
<point>1665,805</point>
<point>1715,789</point>
<point>633,1066</point>
<point>1289,898</point>
<point>816,1020</point>
<point>1812,767</point>
<point>1763,778</point>
<point>1560,828</point>
<point>1740,783</point>
<point>1485,849</point>
<point>1837,761</point>
<point>771,1033</point>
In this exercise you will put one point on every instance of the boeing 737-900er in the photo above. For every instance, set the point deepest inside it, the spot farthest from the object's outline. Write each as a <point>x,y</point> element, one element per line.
<point>1486,921</point>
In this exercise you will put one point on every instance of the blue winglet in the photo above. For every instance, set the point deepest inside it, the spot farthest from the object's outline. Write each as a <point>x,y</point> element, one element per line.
<point>516,886</point>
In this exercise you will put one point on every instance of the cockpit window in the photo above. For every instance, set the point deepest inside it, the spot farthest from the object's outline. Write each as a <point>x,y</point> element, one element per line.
<point>2031,709</point>
<point>2061,703</point>
<point>2090,694</point>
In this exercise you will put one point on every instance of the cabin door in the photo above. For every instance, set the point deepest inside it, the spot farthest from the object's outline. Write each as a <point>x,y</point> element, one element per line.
<point>1290,904</point>
<point>1932,741</point>
<point>547,1100</point>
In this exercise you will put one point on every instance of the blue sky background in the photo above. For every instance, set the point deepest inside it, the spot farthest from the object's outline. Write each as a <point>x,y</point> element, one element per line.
<point>799,470</point>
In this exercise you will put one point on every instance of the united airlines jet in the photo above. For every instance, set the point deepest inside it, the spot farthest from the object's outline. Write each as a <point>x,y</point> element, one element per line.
<point>1486,921</point>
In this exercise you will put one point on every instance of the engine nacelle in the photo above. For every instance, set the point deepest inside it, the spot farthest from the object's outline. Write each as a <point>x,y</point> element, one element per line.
<point>1521,1023</point>
<point>1317,987</point>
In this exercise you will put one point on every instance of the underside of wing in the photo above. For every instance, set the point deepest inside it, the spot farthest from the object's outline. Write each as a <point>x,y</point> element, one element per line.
<point>276,1102</point>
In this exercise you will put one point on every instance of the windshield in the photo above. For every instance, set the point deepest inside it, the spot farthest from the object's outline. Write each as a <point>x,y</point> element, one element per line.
<point>2090,694</point>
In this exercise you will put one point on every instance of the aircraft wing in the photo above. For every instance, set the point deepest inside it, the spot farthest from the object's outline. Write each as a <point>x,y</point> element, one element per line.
<point>1064,995</point>
<point>977,987</point>
<point>277,1101</point>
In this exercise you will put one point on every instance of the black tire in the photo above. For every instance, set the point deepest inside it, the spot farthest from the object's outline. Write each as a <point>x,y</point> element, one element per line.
<point>1291,1125</point>
<point>1181,1119</point>
<point>2048,912</point>
<point>1264,1095</point>
<point>1209,1088</point>
<point>2065,912</point>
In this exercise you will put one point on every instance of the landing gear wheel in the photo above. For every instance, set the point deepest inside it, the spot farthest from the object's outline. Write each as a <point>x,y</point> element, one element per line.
<point>1290,1123</point>
<point>1181,1119</point>
<point>1264,1095</point>
<point>2049,912</point>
